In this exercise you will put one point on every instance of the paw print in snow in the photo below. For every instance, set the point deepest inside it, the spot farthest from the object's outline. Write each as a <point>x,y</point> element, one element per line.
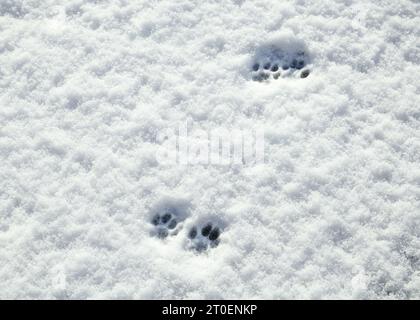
<point>165,223</point>
<point>276,62</point>
<point>204,237</point>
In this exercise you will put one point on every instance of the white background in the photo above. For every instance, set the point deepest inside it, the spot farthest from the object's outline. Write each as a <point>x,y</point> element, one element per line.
<point>85,87</point>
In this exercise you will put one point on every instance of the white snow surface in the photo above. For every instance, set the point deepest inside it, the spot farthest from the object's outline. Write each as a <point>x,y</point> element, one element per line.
<point>85,87</point>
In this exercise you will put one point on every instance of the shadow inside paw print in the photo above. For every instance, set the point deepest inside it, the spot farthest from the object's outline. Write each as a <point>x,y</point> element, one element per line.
<point>203,238</point>
<point>167,216</point>
<point>165,223</point>
<point>277,62</point>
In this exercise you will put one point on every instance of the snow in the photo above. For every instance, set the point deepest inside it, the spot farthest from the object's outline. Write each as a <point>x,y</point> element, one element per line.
<point>86,86</point>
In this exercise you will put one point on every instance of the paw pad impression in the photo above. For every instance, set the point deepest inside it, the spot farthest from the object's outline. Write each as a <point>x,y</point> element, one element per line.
<point>201,238</point>
<point>288,58</point>
<point>165,223</point>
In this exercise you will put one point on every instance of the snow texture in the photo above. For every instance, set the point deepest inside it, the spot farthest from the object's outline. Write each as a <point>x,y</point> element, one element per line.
<point>87,85</point>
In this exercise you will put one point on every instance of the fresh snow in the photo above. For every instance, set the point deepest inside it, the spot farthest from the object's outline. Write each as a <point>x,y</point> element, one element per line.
<point>87,86</point>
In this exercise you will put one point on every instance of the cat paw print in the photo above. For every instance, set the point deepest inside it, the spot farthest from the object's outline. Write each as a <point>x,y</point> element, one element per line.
<point>167,216</point>
<point>275,62</point>
<point>165,223</point>
<point>204,237</point>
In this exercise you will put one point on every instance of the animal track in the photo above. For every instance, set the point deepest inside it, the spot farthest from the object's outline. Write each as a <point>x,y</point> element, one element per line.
<point>165,223</point>
<point>167,216</point>
<point>167,219</point>
<point>275,62</point>
<point>201,238</point>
